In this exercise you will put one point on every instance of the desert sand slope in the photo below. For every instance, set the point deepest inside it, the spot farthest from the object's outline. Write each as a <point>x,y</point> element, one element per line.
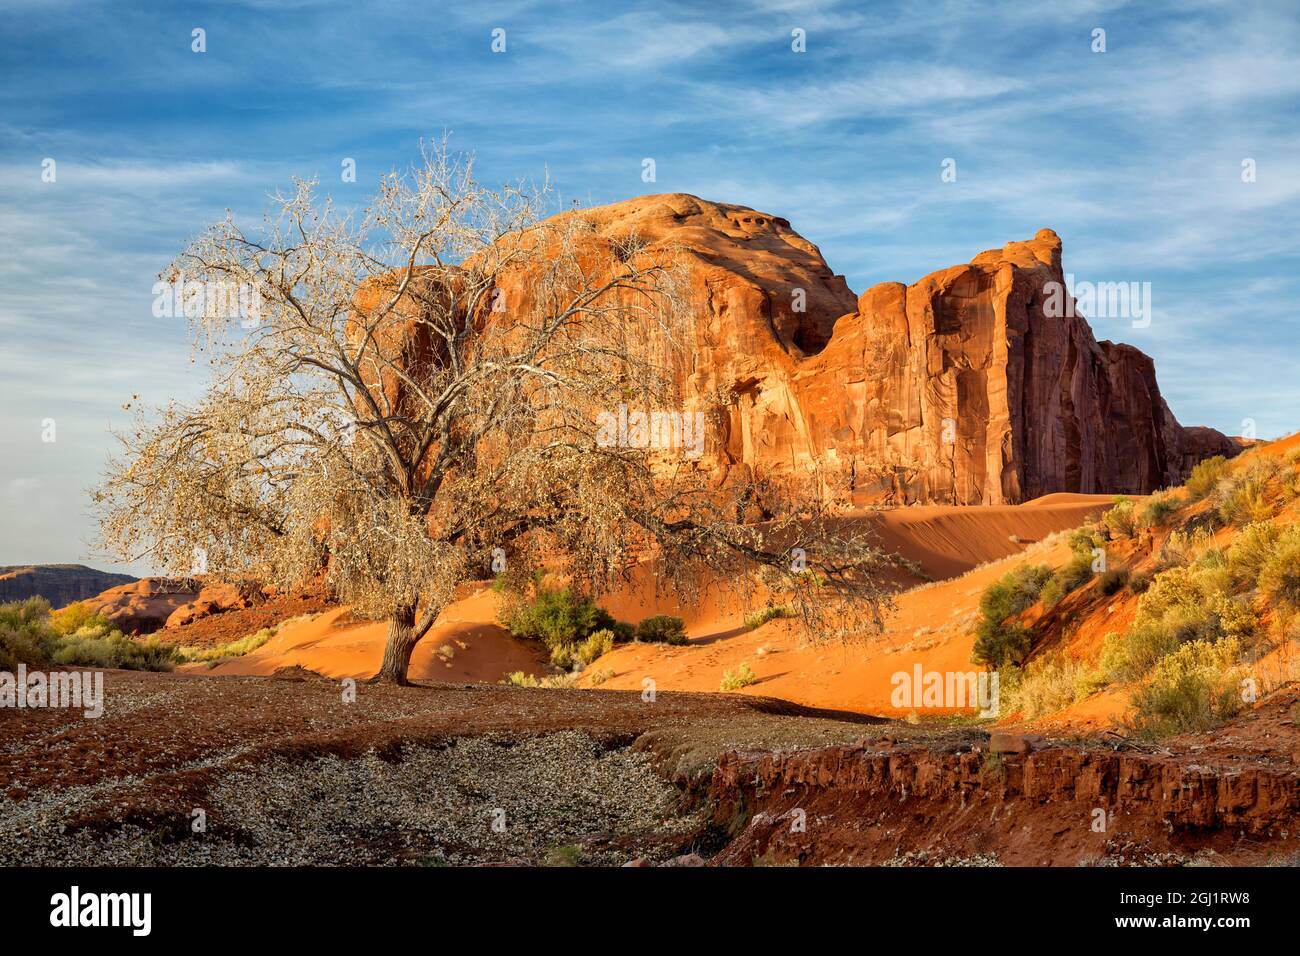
<point>466,644</point>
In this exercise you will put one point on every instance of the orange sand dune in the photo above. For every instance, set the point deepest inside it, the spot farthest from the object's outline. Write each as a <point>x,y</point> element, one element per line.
<point>466,644</point>
<point>931,626</point>
<point>947,540</point>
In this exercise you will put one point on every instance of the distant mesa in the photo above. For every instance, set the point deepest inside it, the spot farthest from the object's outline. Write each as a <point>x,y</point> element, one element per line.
<point>60,584</point>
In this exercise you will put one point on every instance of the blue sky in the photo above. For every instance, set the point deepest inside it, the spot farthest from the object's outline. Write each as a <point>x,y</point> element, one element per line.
<point>1133,156</point>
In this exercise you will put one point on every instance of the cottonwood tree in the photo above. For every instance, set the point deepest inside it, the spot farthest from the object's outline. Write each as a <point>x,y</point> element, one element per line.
<point>422,387</point>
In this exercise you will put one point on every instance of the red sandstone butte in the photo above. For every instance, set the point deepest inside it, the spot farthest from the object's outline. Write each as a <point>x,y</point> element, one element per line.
<point>961,388</point>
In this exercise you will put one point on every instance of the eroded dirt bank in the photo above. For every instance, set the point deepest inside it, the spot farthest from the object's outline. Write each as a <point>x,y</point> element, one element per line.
<point>1214,799</point>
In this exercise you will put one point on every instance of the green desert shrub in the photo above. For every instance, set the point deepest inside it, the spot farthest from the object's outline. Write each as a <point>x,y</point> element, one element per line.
<point>74,637</point>
<point>742,676</point>
<point>662,629</point>
<point>1194,688</point>
<point>1250,551</point>
<point>597,644</point>
<point>1066,579</point>
<point>1121,520</point>
<point>1084,541</point>
<point>1205,476</point>
<point>1243,500</point>
<point>1156,512</point>
<point>1044,686</point>
<point>564,622</point>
<point>1111,581</point>
<point>1279,575</point>
<point>999,641</point>
<point>1126,656</point>
<point>1015,591</point>
<point>756,619</point>
<point>88,648</point>
<point>25,633</point>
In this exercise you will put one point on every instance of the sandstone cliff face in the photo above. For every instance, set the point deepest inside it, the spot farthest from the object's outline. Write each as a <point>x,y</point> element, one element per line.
<point>962,388</point>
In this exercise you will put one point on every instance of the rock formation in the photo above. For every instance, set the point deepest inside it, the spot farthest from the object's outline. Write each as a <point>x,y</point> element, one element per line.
<point>966,387</point>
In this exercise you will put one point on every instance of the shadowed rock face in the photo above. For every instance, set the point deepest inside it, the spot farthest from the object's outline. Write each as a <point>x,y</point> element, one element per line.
<point>962,388</point>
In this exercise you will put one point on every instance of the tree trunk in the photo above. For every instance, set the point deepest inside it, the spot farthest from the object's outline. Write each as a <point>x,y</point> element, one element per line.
<point>397,651</point>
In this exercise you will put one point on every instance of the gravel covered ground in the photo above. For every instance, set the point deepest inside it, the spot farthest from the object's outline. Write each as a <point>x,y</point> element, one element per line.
<point>284,771</point>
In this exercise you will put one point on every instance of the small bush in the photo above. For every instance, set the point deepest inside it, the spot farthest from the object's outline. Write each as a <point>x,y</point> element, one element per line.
<point>1111,581</point>
<point>662,629</point>
<point>1279,575</point>
<point>1083,541</point>
<point>1014,591</point>
<point>1045,686</point>
<point>742,676</point>
<point>1127,656</point>
<point>597,644</point>
<point>520,679</point>
<point>1066,579</point>
<point>1138,582</point>
<point>557,617</point>
<point>1205,476</point>
<point>756,619</point>
<point>563,656</point>
<point>1242,501</point>
<point>997,640</point>
<point>998,643</point>
<point>1156,512</point>
<point>1121,520</point>
<point>31,634</point>
<point>1249,553</point>
<point>601,674</point>
<point>84,649</point>
<point>25,633</point>
<point>1192,689</point>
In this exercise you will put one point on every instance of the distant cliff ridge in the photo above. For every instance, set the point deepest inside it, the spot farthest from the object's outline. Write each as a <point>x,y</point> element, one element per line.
<point>60,584</point>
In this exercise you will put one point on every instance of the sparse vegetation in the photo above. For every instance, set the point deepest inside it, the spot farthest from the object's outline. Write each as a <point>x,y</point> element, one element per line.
<point>74,637</point>
<point>597,644</point>
<point>756,619</point>
<point>1121,520</point>
<point>741,676</point>
<point>1157,511</point>
<point>245,645</point>
<point>1205,476</point>
<point>1194,688</point>
<point>662,629</point>
<point>565,622</point>
<point>999,641</point>
<point>1066,579</point>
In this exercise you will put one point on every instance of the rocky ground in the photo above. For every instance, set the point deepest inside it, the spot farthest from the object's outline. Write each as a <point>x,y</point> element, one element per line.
<point>189,769</point>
